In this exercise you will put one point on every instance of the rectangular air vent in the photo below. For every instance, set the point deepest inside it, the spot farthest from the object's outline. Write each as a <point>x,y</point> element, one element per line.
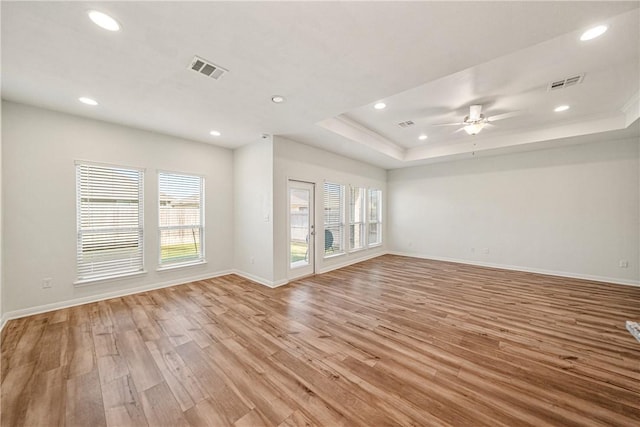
<point>564,83</point>
<point>207,68</point>
<point>406,124</point>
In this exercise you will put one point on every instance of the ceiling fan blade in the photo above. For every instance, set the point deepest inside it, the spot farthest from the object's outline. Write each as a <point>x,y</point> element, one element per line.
<point>504,116</point>
<point>474,112</point>
<point>459,130</point>
<point>449,124</point>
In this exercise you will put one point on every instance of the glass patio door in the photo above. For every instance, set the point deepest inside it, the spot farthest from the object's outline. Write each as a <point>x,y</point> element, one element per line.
<point>301,229</point>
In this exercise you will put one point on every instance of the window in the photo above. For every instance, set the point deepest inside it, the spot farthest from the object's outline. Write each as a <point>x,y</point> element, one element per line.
<point>333,219</point>
<point>181,219</point>
<point>357,218</point>
<point>375,217</point>
<point>109,221</point>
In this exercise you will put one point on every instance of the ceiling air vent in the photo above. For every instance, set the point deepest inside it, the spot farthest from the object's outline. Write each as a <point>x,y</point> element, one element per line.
<point>406,124</point>
<point>207,68</point>
<point>569,81</point>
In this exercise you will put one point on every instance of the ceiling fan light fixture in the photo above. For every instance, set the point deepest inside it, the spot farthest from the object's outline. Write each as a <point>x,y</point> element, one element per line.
<point>474,128</point>
<point>380,106</point>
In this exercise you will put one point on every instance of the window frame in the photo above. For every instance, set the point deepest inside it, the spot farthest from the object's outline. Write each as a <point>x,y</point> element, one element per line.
<point>378,220</point>
<point>202,229</point>
<point>342,220</point>
<point>84,278</point>
<point>363,219</point>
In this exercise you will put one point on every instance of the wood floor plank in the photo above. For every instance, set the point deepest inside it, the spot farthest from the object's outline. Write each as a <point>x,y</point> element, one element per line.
<point>389,341</point>
<point>47,401</point>
<point>297,419</point>
<point>122,403</point>
<point>85,405</point>
<point>79,352</point>
<point>177,374</point>
<point>259,394</point>
<point>223,397</point>
<point>160,407</point>
<point>205,414</point>
<point>17,384</point>
<point>253,419</point>
<point>143,370</point>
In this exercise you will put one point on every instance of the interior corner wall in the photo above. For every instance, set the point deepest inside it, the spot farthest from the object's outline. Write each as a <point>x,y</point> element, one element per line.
<point>293,160</point>
<point>253,216</point>
<point>39,210</point>
<point>572,211</point>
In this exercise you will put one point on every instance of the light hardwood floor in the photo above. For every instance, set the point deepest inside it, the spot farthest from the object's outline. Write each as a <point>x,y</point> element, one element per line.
<point>390,341</point>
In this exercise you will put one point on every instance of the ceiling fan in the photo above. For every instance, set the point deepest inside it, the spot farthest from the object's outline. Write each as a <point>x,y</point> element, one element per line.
<point>476,121</point>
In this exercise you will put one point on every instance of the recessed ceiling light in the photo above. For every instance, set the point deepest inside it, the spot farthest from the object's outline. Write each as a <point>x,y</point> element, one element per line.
<point>561,108</point>
<point>594,32</point>
<point>422,137</point>
<point>278,99</point>
<point>104,21</point>
<point>87,101</point>
<point>380,106</point>
<point>215,133</point>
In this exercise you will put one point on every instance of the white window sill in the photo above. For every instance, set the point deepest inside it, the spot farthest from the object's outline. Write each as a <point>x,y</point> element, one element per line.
<point>335,255</point>
<point>377,245</point>
<point>96,280</point>
<point>177,266</point>
<point>352,251</point>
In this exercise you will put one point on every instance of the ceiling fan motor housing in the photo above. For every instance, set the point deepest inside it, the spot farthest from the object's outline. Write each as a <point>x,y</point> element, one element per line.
<point>481,119</point>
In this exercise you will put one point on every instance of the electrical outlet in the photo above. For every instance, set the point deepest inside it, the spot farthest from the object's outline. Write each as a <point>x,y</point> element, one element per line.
<point>46,283</point>
<point>623,263</point>
<point>473,250</point>
<point>252,260</point>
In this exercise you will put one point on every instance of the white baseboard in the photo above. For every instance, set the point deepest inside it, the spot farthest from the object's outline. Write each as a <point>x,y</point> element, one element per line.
<point>261,280</point>
<point>3,321</point>
<point>350,262</point>
<point>16,314</point>
<point>272,284</point>
<point>613,280</point>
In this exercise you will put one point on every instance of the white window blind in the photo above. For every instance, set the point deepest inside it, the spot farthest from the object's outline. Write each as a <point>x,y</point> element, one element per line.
<point>375,217</point>
<point>333,219</point>
<point>181,218</point>
<point>109,221</point>
<point>357,218</point>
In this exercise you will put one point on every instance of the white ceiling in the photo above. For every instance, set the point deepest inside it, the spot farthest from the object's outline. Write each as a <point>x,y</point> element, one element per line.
<point>332,61</point>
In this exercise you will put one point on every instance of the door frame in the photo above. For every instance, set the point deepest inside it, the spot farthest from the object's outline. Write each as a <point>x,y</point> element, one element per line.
<point>310,269</point>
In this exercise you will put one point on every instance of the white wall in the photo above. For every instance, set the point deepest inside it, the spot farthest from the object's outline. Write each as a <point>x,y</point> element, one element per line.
<point>293,160</point>
<point>572,210</point>
<point>253,225</point>
<point>1,238</point>
<point>39,150</point>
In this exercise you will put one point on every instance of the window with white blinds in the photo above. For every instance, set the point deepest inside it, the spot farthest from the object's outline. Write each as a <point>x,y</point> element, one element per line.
<point>334,216</point>
<point>181,218</point>
<point>375,217</point>
<point>109,221</point>
<point>357,218</point>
